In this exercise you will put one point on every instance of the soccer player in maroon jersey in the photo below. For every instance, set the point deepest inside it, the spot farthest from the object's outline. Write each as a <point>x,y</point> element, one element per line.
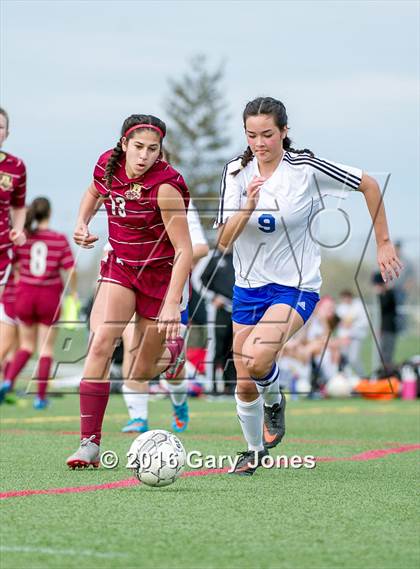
<point>146,201</point>
<point>38,294</point>
<point>9,330</point>
<point>12,202</point>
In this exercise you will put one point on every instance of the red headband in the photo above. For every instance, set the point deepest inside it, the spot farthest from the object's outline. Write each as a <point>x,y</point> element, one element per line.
<point>136,126</point>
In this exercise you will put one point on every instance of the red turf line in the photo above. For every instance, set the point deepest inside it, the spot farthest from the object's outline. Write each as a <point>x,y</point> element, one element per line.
<point>368,455</point>
<point>108,486</point>
<point>70,490</point>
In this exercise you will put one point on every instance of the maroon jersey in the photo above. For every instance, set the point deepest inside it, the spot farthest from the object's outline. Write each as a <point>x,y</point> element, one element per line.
<point>12,192</point>
<point>41,258</point>
<point>136,230</point>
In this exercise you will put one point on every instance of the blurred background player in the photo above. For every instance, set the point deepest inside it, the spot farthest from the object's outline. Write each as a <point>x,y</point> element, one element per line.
<point>145,272</point>
<point>218,278</point>
<point>12,202</point>
<point>136,394</point>
<point>352,330</point>
<point>388,329</point>
<point>322,349</point>
<point>39,291</point>
<point>404,287</point>
<point>268,200</point>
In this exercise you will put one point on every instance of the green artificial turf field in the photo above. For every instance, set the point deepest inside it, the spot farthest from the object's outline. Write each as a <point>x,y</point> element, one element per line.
<point>357,508</point>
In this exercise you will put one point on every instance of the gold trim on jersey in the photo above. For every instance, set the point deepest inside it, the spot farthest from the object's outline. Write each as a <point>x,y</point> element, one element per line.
<point>134,193</point>
<point>6,182</point>
<point>3,156</point>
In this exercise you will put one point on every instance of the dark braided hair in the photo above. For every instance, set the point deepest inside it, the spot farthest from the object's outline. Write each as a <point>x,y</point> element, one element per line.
<point>39,210</point>
<point>129,122</point>
<point>275,108</point>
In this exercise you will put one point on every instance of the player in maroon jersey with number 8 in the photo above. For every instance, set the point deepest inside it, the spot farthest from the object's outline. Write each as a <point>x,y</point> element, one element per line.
<point>146,201</point>
<point>39,287</point>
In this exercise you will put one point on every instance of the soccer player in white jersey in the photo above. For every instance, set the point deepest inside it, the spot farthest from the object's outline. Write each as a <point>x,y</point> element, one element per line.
<point>136,394</point>
<point>268,204</point>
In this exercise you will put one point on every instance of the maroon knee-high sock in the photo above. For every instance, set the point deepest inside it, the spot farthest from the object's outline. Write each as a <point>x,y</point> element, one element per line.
<point>18,363</point>
<point>175,347</point>
<point>44,368</point>
<point>6,367</point>
<point>94,397</point>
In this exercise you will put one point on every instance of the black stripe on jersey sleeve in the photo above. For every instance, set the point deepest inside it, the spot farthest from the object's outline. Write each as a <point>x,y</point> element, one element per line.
<point>330,174</point>
<point>223,189</point>
<point>316,160</point>
<point>344,178</point>
<point>349,178</point>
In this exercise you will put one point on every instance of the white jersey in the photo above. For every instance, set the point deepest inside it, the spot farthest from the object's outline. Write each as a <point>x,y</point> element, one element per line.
<point>277,244</point>
<point>353,320</point>
<point>194,225</point>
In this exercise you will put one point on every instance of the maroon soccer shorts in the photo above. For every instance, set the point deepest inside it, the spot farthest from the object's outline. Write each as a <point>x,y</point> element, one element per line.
<point>38,304</point>
<point>149,284</point>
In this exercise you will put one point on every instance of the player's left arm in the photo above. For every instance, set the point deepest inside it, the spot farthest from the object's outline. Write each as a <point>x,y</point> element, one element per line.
<point>72,275</point>
<point>388,261</point>
<point>174,217</point>
<point>18,216</point>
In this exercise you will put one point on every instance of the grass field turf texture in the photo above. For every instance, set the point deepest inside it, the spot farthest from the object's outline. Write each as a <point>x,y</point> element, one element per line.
<point>344,513</point>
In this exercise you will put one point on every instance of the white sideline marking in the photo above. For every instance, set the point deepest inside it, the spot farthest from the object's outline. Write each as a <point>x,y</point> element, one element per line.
<point>50,551</point>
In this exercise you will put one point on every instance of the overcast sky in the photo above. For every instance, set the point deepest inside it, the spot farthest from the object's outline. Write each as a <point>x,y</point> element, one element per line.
<point>348,73</point>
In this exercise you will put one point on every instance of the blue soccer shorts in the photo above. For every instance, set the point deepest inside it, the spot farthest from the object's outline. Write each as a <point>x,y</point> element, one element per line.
<point>250,304</point>
<point>184,316</point>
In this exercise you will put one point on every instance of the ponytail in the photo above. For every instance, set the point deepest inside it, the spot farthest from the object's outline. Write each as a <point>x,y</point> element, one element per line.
<point>246,157</point>
<point>112,163</point>
<point>29,220</point>
<point>38,211</point>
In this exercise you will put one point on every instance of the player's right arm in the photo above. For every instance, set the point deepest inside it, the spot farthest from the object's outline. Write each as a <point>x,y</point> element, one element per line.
<point>230,230</point>
<point>91,202</point>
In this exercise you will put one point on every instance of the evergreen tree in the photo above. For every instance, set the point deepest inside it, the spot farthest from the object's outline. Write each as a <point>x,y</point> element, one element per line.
<point>198,127</point>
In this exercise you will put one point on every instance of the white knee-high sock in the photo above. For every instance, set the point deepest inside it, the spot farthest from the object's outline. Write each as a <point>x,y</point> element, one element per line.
<point>251,416</point>
<point>177,391</point>
<point>136,403</point>
<point>269,386</point>
<point>272,394</point>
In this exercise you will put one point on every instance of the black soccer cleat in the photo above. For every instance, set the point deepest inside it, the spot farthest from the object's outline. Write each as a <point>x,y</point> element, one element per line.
<point>274,423</point>
<point>249,462</point>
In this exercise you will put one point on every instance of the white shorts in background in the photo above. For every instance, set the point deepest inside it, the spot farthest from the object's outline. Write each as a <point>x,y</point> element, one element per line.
<point>6,319</point>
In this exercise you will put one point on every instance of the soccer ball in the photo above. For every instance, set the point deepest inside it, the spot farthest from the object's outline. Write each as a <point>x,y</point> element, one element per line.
<point>339,386</point>
<point>157,458</point>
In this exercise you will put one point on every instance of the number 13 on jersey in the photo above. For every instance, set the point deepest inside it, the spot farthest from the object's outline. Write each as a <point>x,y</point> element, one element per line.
<point>118,206</point>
